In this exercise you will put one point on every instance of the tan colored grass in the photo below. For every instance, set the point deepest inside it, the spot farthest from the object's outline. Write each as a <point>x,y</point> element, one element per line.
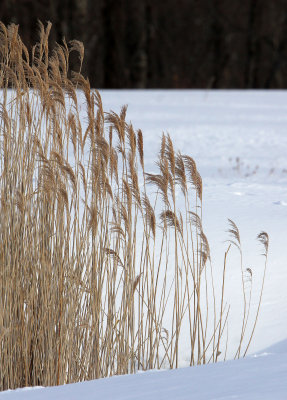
<point>98,274</point>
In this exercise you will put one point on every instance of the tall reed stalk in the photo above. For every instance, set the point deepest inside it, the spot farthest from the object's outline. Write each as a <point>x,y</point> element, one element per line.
<point>99,268</point>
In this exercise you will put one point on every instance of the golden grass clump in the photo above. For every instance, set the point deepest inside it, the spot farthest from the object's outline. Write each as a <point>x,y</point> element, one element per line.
<point>99,274</point>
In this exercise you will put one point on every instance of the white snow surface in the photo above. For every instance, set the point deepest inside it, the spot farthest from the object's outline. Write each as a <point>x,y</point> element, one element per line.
<point>260,377</point>
<point>239,142</point>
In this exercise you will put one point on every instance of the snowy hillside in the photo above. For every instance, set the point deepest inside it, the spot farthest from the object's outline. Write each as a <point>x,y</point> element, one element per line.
<point>239,142</point>
<point>261,377</point>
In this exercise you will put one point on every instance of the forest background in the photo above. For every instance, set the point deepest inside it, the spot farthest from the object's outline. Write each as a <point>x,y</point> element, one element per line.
<point>166,44</point>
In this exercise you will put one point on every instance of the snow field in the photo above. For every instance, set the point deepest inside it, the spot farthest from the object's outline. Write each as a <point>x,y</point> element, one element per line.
<point>239,142</point>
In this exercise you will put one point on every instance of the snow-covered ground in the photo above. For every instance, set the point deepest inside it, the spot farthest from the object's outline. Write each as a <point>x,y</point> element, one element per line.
<point>261,377</point>
<point>239,141</point>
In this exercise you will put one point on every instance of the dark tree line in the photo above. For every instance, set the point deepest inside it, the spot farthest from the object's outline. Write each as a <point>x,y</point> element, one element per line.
<point>167,43</point>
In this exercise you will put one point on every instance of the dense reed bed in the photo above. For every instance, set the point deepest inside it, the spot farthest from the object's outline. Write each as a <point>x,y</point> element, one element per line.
<point>99,269</point>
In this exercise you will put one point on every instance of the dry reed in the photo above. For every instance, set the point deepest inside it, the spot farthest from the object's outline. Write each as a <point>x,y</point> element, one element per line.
<point>98,274</point>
